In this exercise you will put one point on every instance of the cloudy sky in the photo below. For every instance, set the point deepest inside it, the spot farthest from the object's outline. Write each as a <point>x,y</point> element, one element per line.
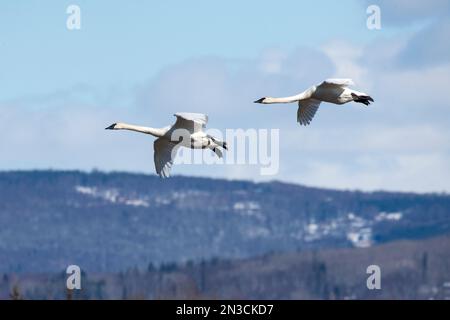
<point>140,62</point>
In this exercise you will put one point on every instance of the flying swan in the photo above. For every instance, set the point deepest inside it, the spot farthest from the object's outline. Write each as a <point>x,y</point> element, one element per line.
<point>187,132</point>
<point>331,90</point>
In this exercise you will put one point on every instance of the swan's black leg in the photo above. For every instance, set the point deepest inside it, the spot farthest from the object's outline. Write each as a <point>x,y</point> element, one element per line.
<point>222,143</point>
<point>362,99</point>
<point>217,152</point>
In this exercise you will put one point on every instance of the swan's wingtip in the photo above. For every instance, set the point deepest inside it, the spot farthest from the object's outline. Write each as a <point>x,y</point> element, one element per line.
<point>259,100</point>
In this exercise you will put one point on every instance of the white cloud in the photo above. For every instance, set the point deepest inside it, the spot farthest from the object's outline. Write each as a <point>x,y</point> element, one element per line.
<point>419,173</point>
<point>345,57</point>
<point>401,142</point>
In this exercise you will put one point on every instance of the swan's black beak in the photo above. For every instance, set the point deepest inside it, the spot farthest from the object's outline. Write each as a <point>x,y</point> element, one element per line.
<point>259,100</point>
<point>111,127</point>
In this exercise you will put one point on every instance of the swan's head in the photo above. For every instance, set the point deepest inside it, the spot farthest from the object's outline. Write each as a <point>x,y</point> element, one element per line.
<point>115,126</point>
<point>263,100</point>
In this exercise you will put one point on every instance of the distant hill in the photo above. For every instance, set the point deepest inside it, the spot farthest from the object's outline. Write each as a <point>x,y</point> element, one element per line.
<point>108,222</point>
<point>410,269</point>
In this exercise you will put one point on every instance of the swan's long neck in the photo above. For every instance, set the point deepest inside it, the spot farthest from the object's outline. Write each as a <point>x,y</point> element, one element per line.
<point>157,132</point>
<point>304,95</point>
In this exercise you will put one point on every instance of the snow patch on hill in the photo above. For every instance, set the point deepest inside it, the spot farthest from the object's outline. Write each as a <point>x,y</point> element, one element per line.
<point>112,196</point>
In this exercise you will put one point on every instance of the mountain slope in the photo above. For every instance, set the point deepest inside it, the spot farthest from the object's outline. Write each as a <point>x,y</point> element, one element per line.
<point>109,222</point>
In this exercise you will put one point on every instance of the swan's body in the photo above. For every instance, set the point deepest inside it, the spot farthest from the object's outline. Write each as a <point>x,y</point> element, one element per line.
<point>187,132</point>
<point>332,90</point>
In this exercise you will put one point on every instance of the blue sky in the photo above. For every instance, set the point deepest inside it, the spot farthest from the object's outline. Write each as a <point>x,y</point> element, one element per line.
<point>130,41</point>
<point>138,61</point>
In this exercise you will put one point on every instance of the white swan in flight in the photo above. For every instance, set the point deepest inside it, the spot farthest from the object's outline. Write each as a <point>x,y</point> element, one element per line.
<point>187,132</point>
<point>331,90</point>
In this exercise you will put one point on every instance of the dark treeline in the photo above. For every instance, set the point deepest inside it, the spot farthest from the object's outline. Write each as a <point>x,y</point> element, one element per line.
<point>409,270</point>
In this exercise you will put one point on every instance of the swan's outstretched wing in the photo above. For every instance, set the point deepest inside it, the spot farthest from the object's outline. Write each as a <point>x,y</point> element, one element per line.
<point>306,110</point>
<point>337,83</point>
<point>193,122</point>
<point>164,153</point>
